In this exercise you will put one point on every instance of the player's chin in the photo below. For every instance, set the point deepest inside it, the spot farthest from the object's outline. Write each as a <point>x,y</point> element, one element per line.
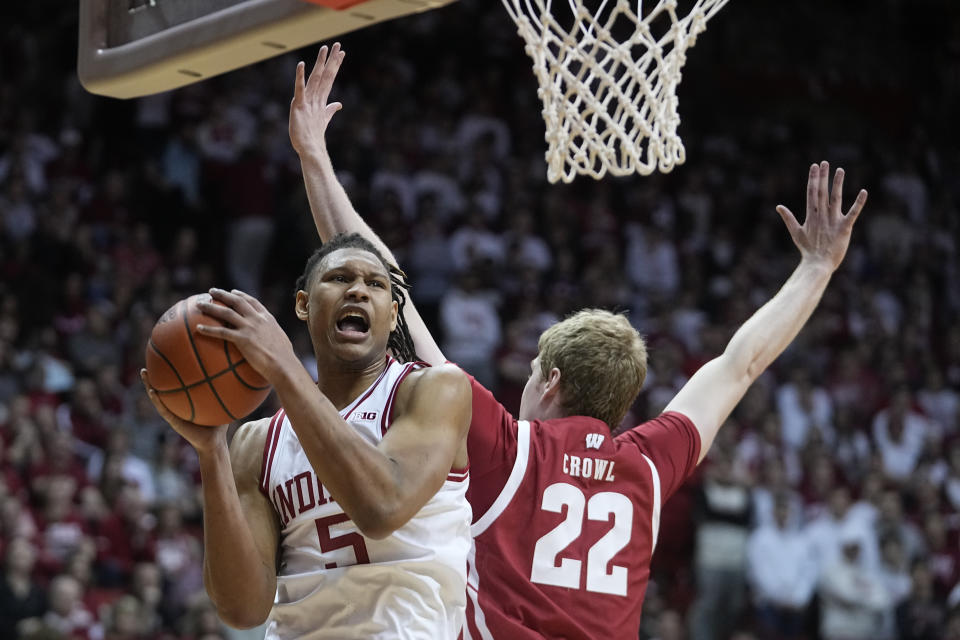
<point>356,350</point>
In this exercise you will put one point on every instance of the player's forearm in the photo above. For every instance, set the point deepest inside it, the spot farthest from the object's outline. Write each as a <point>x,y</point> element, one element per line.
<point>332,210</point>
<point>239,585</point>
<point>363,481</point>
<point>773,327</point>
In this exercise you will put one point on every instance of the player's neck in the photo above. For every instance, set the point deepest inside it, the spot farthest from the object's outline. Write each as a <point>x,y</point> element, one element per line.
<point>342,384</point>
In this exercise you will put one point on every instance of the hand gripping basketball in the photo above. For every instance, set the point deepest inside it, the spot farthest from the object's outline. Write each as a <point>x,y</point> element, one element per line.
<point>201,379</point>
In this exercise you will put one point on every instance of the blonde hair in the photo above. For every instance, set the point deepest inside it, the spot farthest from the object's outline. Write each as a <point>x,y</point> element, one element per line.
<point>602,361</point>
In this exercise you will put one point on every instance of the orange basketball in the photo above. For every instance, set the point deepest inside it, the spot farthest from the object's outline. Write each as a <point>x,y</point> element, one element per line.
<point>200,379</point>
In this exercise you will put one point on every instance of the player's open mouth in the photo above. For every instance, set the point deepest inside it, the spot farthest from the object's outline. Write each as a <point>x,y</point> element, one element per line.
<point>353,324</point>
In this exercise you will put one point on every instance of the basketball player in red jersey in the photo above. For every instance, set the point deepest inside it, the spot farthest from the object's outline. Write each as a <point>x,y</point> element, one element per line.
<point>344,515</point>
<point>565,516</point>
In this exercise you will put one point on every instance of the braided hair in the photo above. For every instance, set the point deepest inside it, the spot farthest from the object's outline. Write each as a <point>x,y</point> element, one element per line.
<point>399,342</point>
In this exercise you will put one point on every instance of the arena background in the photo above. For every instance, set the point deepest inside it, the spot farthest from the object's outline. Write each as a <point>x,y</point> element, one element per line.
<point>112,210</point>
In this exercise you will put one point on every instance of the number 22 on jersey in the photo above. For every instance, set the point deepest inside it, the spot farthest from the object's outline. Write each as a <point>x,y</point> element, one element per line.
<point>600,507</point>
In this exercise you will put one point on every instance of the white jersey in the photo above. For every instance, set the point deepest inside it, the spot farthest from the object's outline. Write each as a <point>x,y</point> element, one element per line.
<point>333,582</point>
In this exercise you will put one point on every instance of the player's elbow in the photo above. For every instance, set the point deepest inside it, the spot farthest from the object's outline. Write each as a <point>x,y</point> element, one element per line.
<point>378,522</point>
<point>243,616</point>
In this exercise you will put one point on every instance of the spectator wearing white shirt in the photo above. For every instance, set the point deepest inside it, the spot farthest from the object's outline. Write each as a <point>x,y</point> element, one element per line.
<point>839,521</point>
<point>939,402</point>
<point>774,486</point>
<point>474,243</point>
<point>899,435</point>
<point>782,572</point>
<point>803,406</point>
<point>471,328</point>
<point>894,576</point>
<point>853,601</point>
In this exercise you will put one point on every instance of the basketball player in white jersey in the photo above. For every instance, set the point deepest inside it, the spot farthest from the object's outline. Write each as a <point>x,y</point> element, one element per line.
<point>344,515</point>
<point>566,515</point>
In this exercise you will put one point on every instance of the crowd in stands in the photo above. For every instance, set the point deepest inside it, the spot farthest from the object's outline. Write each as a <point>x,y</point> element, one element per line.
<point>829,506</point>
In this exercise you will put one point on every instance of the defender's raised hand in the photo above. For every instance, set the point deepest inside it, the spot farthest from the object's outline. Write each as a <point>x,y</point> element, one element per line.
<point>825,233</point>
<point>309,111</point>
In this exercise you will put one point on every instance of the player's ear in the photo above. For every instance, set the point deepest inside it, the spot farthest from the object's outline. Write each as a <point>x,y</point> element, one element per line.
<point>394,310</point>
<point>551,386</point>
<point>301,305</point>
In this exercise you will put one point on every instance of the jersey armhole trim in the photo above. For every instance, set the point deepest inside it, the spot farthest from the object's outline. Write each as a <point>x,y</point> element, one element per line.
<point>512,484</point>
<point>655,511</point>
<point>269,450</point>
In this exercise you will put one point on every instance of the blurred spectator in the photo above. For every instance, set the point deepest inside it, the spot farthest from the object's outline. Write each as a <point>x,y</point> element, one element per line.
<point>921,616</point>
<point>723,521</point>
<point>21,596</point>
<point>899,433</point>
<point>62,528</point>
<point>474,244</point>
<point>471,327</point>
<point>891,522</point>
<point>178,556</point>
<point>134,471</point>
<point>894,575</point>
<point>802,407</point>
<point>840,522</point>
<point>66,612</point>
<point>782,570</point>
<point>853,602</point>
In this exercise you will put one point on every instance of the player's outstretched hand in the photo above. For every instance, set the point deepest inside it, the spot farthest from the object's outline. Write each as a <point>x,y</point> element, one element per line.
<point>200,437</point>
<point>251,327</point>
<point>310,113</point>
<point>825,233</point>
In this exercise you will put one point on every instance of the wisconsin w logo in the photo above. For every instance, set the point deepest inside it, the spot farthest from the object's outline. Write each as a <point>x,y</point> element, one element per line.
<point>594,440</point>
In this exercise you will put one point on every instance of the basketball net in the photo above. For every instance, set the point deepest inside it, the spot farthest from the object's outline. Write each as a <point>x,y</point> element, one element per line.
<point>610,101</point>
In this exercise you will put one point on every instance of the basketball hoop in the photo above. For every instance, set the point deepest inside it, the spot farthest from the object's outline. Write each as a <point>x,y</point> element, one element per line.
<point>608,82</point>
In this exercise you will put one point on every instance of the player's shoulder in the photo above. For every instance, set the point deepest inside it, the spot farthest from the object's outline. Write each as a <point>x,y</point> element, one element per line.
<point>668,420</point>
<point>249,440</point>
<point>428,379</point>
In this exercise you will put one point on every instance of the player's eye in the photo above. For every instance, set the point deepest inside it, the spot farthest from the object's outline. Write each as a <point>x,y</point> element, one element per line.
<point>376,283</point>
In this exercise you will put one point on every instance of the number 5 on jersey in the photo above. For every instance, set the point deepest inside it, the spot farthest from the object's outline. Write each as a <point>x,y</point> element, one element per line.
<point>330,541</point>
<point>600,507</point>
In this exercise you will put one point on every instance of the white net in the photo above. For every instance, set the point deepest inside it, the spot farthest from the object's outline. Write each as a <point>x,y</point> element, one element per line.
<point>608,81</point>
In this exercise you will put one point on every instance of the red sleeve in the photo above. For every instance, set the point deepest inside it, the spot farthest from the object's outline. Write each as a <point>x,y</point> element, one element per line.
<point>492,447</point>
<point>673,445</point>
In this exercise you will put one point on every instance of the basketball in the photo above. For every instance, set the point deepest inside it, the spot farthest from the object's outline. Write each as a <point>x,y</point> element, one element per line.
<point>200,379</point>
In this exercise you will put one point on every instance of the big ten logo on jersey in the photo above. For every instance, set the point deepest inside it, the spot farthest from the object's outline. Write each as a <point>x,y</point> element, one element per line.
<point>364,416</point>
<point>551,562</point>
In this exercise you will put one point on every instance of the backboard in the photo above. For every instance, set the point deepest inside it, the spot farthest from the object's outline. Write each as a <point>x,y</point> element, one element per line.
<point>131,48</point>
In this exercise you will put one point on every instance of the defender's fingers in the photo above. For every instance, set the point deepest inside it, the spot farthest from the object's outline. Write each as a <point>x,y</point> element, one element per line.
<point>836,193</point>
<point>813,189</point>
<point>823,200</point>
<point>857,207</point>
<point>788,219</point>
<point>298,82</point>
<point>318,65</point>
<point>330,71</point>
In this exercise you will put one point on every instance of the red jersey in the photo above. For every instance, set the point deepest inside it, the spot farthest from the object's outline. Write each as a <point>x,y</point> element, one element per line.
<point>565,520</point>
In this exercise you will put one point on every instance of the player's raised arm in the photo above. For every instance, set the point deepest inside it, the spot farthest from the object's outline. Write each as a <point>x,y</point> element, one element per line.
<point>713,391</point>
<point>333,213</point>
